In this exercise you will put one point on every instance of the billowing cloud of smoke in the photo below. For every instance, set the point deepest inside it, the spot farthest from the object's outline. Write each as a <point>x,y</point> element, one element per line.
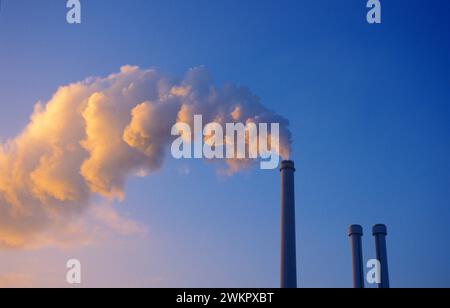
<point>93,134</point>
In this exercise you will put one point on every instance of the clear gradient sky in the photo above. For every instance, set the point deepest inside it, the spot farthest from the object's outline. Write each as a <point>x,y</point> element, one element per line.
<point>369,107</point>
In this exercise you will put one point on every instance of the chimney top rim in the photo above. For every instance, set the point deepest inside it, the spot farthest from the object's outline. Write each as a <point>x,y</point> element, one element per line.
<point>379,229</point>
<point>287,164</point>
<point>355,230</point>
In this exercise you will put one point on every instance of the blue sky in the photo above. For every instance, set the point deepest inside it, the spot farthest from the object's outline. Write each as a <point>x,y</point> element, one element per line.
<point>368,106</point>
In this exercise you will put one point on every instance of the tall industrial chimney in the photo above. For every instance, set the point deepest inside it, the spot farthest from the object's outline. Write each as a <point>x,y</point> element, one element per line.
<point>380,233</point>
<point>356,232</point>
<point>288,246</point>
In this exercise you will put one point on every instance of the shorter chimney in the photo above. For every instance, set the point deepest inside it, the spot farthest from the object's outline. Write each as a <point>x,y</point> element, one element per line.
<point>288,245</point>
<point>356,232</point>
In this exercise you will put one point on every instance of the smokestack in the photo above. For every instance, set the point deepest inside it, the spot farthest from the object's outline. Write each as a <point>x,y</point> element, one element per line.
<point>380,233</point>
<point>288,246</point>
<point>356,232</point>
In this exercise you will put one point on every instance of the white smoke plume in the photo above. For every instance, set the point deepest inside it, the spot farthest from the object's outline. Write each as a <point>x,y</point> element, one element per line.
<point>92,135</point>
